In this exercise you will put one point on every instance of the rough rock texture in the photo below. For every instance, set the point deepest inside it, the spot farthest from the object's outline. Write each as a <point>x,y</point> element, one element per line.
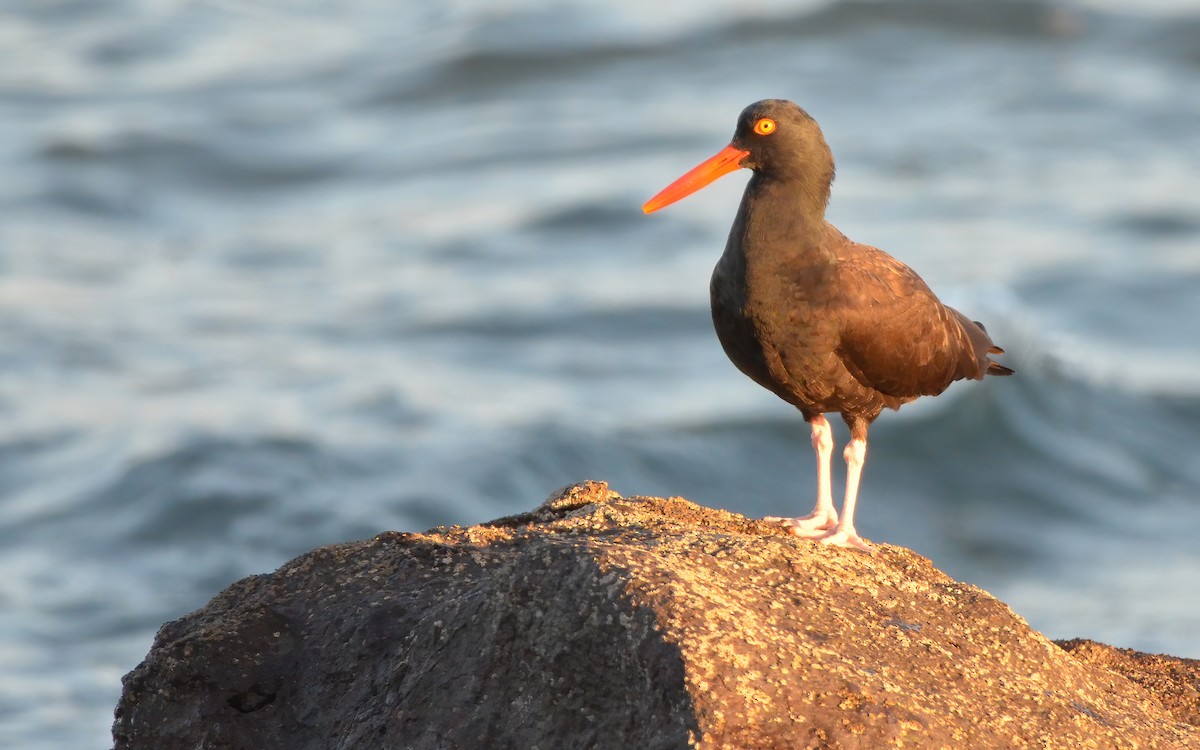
<point>599,621</point>
<point>1173,681</point>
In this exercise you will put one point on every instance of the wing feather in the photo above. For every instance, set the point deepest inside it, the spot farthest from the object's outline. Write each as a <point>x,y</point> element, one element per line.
<point>896,336</point>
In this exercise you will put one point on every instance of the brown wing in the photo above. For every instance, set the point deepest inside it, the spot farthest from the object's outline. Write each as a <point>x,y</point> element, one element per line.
<point>896,336</point>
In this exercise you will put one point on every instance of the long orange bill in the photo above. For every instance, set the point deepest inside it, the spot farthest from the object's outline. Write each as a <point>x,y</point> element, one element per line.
<point>724,162</point>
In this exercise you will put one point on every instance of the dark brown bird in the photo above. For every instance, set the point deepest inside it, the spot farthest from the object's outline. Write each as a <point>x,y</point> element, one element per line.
<point>823,322</point>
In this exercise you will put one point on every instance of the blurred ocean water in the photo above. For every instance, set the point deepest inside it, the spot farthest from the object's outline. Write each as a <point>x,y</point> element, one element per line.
<point>278,276</point>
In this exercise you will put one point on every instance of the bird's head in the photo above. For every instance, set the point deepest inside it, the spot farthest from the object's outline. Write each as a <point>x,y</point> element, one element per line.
<point>774,137</point>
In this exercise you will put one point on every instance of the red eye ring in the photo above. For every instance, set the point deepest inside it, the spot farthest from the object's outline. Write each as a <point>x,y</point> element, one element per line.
<point>765,126</point>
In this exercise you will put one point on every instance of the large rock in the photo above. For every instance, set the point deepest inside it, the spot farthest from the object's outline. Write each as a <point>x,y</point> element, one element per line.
<point>598,621</point>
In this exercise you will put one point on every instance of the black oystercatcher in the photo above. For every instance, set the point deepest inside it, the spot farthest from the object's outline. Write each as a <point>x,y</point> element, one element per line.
<point>823,322</point>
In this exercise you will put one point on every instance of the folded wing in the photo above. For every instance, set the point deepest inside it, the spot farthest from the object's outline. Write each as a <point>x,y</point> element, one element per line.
<point>897,337</point>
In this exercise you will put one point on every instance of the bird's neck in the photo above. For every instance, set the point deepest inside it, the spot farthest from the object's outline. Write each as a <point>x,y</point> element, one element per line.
<point>785,216</point>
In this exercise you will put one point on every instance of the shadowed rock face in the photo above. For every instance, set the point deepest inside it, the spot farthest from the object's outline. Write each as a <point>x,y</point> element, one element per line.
<point>598,621</point>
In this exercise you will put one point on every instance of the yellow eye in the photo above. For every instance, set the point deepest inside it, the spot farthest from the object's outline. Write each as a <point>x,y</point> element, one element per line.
<point>764,126</point>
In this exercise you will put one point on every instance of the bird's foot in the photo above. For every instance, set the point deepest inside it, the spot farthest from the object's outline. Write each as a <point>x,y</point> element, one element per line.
<point>813,526</point>
<point>842,537</point>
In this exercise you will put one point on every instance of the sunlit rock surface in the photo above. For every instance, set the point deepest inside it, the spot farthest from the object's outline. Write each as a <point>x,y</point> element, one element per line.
<point>598,621</point>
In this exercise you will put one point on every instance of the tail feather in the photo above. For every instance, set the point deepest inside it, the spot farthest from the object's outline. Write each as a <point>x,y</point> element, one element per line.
<point>993,368</point>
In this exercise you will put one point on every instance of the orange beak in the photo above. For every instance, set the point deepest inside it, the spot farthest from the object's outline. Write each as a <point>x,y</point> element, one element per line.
<point>724,162</point>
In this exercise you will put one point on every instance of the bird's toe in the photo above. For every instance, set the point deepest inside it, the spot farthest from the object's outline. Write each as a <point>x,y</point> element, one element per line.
<point>812,526</point>
<point>847,538</point>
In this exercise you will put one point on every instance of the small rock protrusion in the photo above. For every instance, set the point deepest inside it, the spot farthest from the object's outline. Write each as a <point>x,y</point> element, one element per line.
<point>573,496</point>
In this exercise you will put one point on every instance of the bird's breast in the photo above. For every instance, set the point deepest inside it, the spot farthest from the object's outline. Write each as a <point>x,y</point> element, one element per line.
<point>769,316</point>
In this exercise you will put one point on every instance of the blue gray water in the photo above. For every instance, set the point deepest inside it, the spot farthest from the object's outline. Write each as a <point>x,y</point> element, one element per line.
<point>271,279</point>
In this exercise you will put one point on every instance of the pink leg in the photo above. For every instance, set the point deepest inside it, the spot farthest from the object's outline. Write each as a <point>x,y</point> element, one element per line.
<point>843,534</point>
<point>823,517</point>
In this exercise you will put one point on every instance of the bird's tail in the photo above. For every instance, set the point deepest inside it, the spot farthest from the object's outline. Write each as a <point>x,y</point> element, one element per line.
<point>994,368</point>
